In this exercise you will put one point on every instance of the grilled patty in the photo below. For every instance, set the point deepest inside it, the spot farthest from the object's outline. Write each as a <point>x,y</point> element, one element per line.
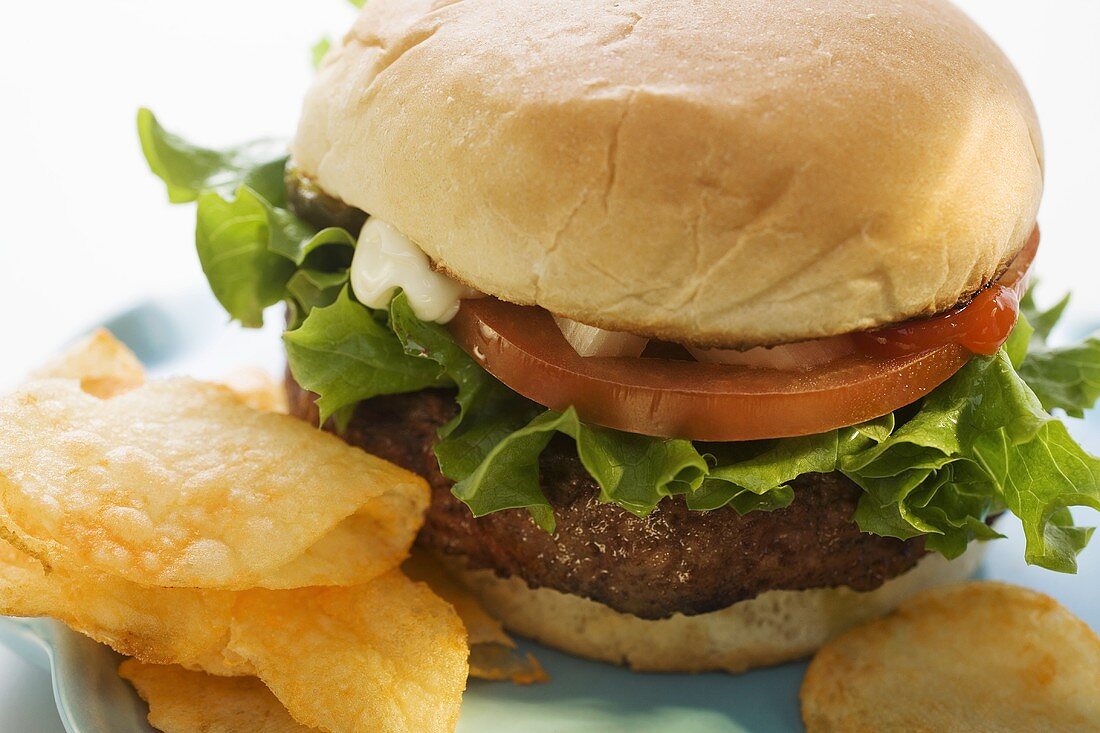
<point>674,560</point>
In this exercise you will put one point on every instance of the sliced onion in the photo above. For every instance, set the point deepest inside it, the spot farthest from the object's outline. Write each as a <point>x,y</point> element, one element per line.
<point>787,357</point>
<point>591,341</point>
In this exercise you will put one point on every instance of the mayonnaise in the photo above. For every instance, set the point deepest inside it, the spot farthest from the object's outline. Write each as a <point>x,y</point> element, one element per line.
<point>385,260</point>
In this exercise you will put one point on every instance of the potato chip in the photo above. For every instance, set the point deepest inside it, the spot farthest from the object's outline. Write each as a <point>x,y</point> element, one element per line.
<point>159,625</point>
<point>505,663</point>
<point>398,650</point>
<point>102,364</point>
<point>423,567</point>
<point>361,547</point>
<point>493,654</point>
<point>386,657</point>
<point>256,388</point>
<point>177,483</point>
<point>182,485</point>
<point>218,661</point>
<point>181,701</point>
<point>975,657</point>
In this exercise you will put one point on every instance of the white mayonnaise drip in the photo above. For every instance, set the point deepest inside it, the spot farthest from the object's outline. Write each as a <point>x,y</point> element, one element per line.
<point>385,260</point>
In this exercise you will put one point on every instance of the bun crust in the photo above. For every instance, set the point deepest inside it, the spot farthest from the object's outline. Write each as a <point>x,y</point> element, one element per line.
<point>715,172</point>
<point>776,627</point>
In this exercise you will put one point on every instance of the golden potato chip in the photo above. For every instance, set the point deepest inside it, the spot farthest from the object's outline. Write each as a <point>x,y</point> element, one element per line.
<point>391,634</point>
<point>493,654</point>
<point>505,663</point>
<point>423,567</point>
<point>975,657</point>
<point>156,624</point>
<point>359,548</point>
<point>386,657</point>
<point>218,661</point>
<point>181,701</point>
<point>102,364</point>
<point>178,484</point>
<point>256,388</point>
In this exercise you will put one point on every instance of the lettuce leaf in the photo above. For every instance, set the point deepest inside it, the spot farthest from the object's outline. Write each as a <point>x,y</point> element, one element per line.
<point>250,249</point>
<point>633,471</point>
<point>345,354</point>
<point>249,244</point>
<point>508,477</point>
<point>188,170</point>
<point>1042,321</point>
<point>319,50</point>
<point>980,443</point>
<point>756,476</point>
<point>1065,378</point>
<point>231,240</point>
<point>487,410</point>
<point>308,289</point>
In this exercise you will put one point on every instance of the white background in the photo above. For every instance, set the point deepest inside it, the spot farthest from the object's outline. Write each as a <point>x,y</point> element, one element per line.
<point>85,230</point>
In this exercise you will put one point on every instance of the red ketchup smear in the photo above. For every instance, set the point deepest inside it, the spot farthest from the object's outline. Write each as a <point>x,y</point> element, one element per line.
<point>981,326</point>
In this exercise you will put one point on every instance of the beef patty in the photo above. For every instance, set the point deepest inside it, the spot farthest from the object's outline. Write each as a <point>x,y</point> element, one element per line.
<point>674,560</point>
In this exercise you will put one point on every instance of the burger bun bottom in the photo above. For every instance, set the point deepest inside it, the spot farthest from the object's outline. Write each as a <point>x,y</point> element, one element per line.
<point>775,627</point>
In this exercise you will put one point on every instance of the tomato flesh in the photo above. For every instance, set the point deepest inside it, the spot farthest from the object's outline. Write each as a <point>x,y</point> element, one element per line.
<point>889,368</point>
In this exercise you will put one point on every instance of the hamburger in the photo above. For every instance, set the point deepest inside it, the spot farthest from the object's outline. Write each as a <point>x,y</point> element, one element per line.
<point>706,322</point>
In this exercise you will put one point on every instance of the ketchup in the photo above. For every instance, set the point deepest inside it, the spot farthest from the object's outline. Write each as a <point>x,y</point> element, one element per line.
<point>981,326</point>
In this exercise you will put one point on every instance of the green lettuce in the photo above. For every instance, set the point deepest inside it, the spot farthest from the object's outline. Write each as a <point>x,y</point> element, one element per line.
<point>487,410</point>
<point>1064,378</point>
<point>250,245</point>
<point>231,239</point>
<point>982,443</point>
<point>188,170</point>
<point>756,476</point>
<point>633,471</point>
<point>344,353</point>
<point>1042,321</point>
<point>308,289</point>
<point>318,51</point>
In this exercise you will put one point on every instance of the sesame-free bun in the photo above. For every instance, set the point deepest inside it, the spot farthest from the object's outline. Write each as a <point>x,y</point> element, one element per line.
<point>775,627</point>
<point>719,172</point>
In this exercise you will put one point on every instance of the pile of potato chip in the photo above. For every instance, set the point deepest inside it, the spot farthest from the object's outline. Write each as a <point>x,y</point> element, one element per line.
<point>248,562</point>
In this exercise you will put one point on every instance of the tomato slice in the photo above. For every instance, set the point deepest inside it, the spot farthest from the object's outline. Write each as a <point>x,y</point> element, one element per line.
<point>522,347</point>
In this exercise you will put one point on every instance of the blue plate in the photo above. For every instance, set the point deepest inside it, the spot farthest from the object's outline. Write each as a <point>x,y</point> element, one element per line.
<point>189,334</point>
